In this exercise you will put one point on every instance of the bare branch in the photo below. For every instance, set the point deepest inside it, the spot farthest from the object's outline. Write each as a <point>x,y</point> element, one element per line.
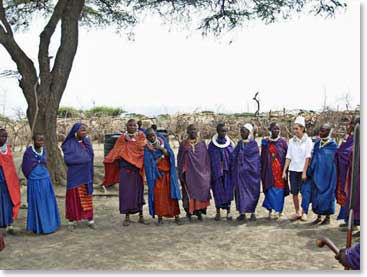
<point>4,20</point>
<point>68,46</point>
<point>45,38</point>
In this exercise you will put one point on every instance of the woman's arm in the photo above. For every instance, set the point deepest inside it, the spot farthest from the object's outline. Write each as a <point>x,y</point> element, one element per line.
<point>286,165</point>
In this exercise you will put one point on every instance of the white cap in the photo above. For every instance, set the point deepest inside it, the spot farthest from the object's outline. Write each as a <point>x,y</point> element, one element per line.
<point>249,127</point>
<point>300,120</point>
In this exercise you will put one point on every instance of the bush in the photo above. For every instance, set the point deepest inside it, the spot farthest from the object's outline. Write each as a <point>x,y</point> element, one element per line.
<point>101,111</point>
<point>68,112</point>
<point>136,115</point>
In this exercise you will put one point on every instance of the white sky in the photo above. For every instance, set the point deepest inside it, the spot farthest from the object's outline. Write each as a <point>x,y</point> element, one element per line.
<point>291,64</point>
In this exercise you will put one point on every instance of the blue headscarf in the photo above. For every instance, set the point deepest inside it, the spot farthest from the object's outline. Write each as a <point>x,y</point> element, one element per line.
<point>78,160</point>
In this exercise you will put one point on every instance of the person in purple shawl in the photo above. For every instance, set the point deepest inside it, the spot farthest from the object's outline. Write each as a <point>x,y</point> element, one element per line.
<point>273,153</point>
<point>79,157</point>
<point>322,173</point>
<point>341,160</point>
<point>220,152</point>
<point>43,213</point>
<point>350,257</point>
<point>193,165</point>
<point>347,182</point>
<point>246,174</point>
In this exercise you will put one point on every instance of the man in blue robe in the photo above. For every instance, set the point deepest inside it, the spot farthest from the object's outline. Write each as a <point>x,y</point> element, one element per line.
<point>220,151</point>
<point>322,173</point>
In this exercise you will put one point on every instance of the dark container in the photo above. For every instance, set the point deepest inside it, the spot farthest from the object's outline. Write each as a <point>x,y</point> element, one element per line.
<point>109,142</point>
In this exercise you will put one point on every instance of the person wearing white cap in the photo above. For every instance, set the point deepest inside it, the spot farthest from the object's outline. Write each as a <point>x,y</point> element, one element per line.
<point>246,174</point>
<point>297,161</point>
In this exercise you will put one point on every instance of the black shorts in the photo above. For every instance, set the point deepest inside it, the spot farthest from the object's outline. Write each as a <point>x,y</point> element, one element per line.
<point>295,179</point>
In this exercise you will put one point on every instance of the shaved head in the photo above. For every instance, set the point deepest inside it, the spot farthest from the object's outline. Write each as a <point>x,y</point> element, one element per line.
<point>150,131</point>
<point>326,126</point>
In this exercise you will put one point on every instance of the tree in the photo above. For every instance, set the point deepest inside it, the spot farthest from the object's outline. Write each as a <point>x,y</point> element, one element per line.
<point>43,83</point>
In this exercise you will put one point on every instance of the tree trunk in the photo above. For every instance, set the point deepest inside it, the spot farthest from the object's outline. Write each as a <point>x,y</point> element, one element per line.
<point>46,123</point>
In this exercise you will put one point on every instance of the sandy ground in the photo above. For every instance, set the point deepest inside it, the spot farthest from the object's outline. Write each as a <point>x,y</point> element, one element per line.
<point>208,245</point>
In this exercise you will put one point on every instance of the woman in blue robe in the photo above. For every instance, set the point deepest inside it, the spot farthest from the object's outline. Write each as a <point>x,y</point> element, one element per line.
<point>43,213</point>
<point>322,173</point>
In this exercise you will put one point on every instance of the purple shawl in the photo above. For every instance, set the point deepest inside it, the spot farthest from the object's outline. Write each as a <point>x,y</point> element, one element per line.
<point>78,160</point>
<point>220,159</point>
<point>267,178</point>
<point>32,159</point>
<point>354,256</point>
<point>194,170</point>
<point>342,160</point>
<point>246,175</point>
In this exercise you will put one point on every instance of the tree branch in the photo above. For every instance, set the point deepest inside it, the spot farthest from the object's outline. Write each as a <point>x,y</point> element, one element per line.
<point>45,39</point>
<point>68,46</point>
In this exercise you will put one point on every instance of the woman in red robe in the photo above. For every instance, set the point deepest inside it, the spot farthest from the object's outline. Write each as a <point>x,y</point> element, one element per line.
<point>9,185</point>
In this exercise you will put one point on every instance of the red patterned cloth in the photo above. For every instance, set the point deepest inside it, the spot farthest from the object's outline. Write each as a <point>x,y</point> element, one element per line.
<point>79,205</point>
<point>277,168</point>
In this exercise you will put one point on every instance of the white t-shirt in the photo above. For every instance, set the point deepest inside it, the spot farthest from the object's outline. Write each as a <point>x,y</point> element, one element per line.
<point>298,151</point>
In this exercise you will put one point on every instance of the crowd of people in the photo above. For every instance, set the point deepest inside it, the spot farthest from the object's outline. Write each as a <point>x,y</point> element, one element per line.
<point>320,171</point>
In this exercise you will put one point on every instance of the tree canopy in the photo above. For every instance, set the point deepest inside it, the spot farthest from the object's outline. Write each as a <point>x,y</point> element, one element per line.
<point>215,15</point>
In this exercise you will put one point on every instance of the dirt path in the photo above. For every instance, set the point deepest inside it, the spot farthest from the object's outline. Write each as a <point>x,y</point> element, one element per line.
<point>208,245</point>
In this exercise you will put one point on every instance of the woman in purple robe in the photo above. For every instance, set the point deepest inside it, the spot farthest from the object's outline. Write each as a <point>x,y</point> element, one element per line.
<point>193,166</point>
<point>220,151</point>
<point>246,174</point>
<point>341,159</point>
<point>357,197</point>
<point>343,162</point>
<point>273,153</point>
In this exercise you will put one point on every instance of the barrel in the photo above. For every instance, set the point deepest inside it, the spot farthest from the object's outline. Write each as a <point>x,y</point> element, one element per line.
<point>109,142</point>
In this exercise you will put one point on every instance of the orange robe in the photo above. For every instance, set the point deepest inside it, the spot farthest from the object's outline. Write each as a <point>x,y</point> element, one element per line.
<point>163,204</point>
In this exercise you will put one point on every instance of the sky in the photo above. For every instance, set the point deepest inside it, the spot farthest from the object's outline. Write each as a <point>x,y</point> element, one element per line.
<point>299,63</point>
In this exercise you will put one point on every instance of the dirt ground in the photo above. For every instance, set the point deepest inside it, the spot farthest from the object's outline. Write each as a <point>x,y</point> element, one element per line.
<point>208,245</point>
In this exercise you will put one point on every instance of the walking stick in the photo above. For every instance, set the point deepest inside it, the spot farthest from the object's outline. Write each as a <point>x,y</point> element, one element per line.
<point>325,241</point>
